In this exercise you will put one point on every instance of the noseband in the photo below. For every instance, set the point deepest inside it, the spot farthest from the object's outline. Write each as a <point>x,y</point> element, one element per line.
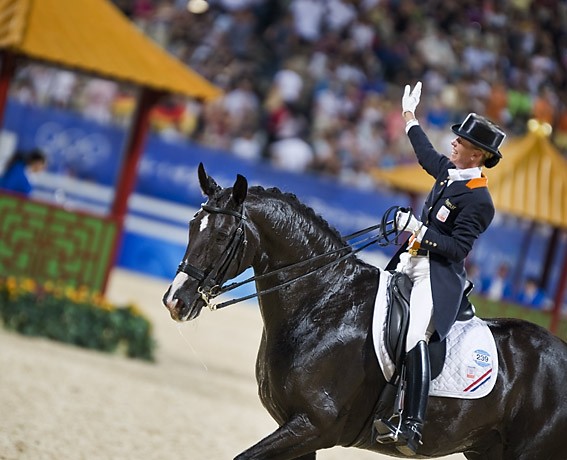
<point>211,282</point>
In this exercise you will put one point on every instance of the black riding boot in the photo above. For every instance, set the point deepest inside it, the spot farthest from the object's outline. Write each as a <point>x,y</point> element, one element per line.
<point>419,375</point>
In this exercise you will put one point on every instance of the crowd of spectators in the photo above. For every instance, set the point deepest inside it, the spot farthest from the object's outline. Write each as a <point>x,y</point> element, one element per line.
<point>316,84</point>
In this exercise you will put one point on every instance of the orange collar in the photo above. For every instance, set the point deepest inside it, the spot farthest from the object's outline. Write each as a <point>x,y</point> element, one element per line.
<point>477,182</point>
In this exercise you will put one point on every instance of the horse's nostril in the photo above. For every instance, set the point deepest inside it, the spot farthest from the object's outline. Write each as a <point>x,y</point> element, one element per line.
<point>171,304</point>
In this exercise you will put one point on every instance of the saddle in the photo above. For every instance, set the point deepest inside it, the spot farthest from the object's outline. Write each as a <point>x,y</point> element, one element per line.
<point>397,323</point>
<point>396,327</point>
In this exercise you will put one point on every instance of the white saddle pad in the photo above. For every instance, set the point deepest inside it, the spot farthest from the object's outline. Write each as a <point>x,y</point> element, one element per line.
<point>471,362</point>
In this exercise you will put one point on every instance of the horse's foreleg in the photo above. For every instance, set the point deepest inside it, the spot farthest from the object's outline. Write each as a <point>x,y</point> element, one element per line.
<point>295,439</point>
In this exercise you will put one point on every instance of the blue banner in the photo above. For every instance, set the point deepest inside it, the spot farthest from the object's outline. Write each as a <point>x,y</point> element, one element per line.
<point>168,170</point>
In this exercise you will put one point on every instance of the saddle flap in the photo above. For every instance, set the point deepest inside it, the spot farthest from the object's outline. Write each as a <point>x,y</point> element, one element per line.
<point>397,323</point>
<point>437,353</point>
<point>397,319</point>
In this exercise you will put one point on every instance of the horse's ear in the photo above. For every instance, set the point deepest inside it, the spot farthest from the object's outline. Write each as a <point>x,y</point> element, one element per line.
<point>239,189</point>
<point>208,184</point>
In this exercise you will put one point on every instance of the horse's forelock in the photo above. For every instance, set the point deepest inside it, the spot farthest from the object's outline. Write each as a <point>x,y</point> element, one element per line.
<point>220,198</point>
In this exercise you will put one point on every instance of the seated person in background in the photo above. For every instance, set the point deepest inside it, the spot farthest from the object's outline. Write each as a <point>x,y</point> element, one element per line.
<point>533,296</point>
<point>499,287</point>
<point>18,169</point>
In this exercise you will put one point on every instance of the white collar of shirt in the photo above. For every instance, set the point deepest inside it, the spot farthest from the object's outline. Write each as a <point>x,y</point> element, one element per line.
<point>464,174</point>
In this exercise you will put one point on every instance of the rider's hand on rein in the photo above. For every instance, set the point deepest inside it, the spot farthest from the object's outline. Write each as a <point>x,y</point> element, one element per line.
<point>406,221</point>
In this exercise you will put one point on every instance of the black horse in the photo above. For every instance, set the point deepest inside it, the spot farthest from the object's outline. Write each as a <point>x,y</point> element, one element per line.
<point>317,372</point>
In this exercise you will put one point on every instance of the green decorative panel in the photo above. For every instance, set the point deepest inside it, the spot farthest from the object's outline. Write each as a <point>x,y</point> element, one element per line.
<point>48,243</point>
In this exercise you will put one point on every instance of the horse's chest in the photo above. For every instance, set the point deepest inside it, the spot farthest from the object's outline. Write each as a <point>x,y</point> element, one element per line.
<point>282,363</point>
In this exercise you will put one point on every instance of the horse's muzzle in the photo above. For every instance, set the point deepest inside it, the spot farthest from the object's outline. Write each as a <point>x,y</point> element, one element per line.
<point>182,309</point>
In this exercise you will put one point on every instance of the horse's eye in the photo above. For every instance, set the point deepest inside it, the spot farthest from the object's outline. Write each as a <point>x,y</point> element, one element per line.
<point>221,234</point>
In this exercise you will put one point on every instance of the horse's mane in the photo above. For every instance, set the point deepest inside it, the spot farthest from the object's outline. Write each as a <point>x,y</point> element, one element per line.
<point>308,212</point>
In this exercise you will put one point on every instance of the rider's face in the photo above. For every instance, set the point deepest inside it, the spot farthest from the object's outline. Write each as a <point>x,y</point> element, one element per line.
<point>465,154</point>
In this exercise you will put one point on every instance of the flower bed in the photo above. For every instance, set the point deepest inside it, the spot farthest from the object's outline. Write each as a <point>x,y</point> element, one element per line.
<point>75,316</point>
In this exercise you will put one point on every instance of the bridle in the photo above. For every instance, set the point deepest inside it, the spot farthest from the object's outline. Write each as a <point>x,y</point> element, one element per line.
<point>210,285</point>
<point>211,281</point>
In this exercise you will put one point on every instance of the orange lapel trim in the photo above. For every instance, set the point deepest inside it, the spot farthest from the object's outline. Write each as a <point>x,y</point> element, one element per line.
<point>478,182</point>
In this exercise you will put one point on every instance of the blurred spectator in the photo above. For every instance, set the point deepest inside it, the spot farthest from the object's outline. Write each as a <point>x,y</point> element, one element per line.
<point>339,15</point>
<point>64,85</point>
<point>435,48</point>
<point>215,126</point>
<point>250,144</point>
<point>308,18</point>
<point>240,34</point>
<point>288,84</point>
<point>171,119</point>
<point>560,135</point>
<point>159,28</point>
<point>20,169</point>
<point>242,104</point>
<point>292,154</point>
<point>97,99</point>
<point>474,276</point>
<point>499,286</point>
<point>533,296</point>
<point>22,90</point>
<point>519,102</point>
<point>545,105</point>
<point>437,115</point>
<point>496,107</point>
<point>123,104</point>
<point>143,11</point>
<point>299,68</point>
<point>326,153</point>
<point>41,78</point>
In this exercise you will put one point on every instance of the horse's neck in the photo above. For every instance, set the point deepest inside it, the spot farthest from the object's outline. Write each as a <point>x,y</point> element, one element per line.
<point>287,240</point>
<point>289,243</point>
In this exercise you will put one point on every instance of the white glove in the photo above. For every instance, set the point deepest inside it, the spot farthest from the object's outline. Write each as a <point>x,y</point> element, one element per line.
<point>410,100</point>
<point>407,221</point>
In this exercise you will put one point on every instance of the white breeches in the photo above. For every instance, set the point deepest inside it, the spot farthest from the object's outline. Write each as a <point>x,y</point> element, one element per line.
<point>421,301</point>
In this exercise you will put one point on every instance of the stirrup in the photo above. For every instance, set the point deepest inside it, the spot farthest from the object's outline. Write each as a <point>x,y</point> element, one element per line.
<point>412,442</point>
<point>388,430</point>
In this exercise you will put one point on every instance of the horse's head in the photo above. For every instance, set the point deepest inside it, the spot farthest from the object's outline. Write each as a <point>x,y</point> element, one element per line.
<point>219,235</point>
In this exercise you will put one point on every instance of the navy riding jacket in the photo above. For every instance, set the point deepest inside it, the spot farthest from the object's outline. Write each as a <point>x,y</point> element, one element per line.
<point>455,216</point>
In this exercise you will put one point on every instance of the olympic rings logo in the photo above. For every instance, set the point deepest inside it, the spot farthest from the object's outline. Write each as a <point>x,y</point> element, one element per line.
<point>73,145</point>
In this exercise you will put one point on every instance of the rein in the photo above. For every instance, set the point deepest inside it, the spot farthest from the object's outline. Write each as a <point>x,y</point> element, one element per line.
<point>209,289</point>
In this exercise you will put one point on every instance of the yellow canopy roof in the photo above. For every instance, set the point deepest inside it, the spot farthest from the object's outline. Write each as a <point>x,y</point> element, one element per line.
<point>529,182</point>
<point>410,178</point>
<point>94,36</point>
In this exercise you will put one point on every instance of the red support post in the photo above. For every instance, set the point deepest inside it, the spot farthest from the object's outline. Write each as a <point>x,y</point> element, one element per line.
<point>559,296</point>
<point>133,152</point>
<point>129,169</point>
<point>6,75</point>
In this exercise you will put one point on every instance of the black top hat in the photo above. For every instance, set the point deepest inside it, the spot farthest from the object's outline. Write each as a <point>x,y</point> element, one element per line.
<point>481,132</point>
